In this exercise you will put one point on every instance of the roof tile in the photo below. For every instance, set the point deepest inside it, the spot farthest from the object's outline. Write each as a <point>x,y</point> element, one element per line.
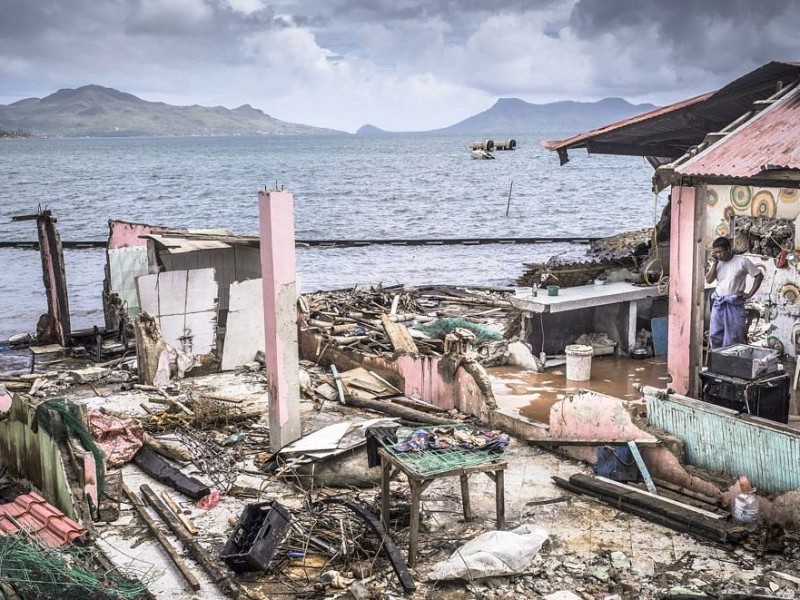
<point>41,519</point>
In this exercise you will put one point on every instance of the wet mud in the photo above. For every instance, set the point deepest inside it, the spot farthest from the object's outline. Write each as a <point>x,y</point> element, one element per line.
<point>534,393</point>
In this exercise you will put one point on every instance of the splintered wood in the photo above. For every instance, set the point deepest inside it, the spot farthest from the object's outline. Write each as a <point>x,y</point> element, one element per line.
<point>380,320</point>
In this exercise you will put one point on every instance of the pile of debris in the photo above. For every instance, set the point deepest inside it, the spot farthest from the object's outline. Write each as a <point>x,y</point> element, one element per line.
<point>408,320</point>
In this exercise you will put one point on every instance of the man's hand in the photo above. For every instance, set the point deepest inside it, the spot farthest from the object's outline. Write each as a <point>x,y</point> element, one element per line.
<point>743,296</point>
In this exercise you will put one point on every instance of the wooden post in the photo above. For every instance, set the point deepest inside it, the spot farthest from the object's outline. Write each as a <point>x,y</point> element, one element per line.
<point>508,206</point>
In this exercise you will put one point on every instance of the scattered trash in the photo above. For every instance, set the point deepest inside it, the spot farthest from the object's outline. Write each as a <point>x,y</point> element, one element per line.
<point>493,553</point>
<point>209,501</point>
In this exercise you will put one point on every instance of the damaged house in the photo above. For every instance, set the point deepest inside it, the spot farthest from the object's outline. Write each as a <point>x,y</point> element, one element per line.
<point>490,427</point>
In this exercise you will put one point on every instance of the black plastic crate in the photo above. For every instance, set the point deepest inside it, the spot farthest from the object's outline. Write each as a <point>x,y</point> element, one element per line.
<point>259,531</point>
<point>741,360</point>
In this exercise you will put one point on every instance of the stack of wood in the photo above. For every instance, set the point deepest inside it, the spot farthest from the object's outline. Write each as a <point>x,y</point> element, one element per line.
<point>377,320</point>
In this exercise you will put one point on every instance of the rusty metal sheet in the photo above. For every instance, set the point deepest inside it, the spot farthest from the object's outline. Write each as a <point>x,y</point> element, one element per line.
<point>671,130</point>
<point>769,141</point>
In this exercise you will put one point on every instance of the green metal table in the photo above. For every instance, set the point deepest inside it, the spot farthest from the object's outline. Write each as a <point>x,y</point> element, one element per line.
<point>424,467</point>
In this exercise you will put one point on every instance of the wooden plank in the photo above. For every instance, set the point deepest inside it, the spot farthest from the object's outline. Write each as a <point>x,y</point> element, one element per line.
<point>675,512</point>
<point>587,442</point>
<point>187,522</point>
<point>217,575</point>
<point>399,336</point>
<point>138,505</point>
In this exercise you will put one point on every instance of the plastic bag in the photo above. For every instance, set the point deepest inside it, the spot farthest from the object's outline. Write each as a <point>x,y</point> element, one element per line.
<point>492,554</point>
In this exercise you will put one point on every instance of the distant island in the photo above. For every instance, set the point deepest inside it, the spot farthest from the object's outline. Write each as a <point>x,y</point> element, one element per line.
<point>96,111</point>
<point>511,116</point>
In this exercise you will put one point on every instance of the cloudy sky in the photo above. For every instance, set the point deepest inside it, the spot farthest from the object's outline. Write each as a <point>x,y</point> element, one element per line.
<point>402,65</point>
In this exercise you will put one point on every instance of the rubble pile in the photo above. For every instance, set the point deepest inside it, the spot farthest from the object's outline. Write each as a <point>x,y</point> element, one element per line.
<point>363,319</point>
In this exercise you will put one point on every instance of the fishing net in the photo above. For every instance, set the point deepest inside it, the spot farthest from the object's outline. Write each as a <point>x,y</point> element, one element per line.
<point>62,419</point>
<point>441,327</point>
<point>39,573</point>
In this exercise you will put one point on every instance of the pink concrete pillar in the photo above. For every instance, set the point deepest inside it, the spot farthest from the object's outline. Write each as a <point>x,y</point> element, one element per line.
<point>276,223</point>
<point>685,289</point>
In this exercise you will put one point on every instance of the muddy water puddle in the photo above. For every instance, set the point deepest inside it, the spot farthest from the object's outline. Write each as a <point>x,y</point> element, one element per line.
<point>534,393</point>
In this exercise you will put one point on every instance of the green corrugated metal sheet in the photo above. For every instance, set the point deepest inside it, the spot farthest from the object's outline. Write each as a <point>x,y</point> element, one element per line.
<point>724,441</point>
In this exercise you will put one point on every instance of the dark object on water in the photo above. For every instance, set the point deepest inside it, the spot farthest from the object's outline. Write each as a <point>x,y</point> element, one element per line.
<point>641,353</point>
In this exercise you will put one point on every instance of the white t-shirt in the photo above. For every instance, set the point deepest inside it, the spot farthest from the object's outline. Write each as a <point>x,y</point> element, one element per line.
<point>732,275</point>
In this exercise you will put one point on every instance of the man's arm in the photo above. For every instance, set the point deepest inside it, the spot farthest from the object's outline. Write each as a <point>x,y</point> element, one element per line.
<point>712,271</point>
<point>757,279</point>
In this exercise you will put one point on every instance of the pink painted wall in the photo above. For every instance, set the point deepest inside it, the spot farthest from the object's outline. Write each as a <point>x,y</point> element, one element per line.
<point>423,380</point>
<point>126,235</point>
<point>681,280</point>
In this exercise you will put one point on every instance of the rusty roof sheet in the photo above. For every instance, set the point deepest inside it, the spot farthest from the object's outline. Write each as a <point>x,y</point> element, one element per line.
<point>768,142</point>
<point>33,514</point>
<point>670,131</point>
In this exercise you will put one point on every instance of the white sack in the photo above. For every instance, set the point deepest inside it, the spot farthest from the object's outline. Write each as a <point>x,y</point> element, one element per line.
<point>493,554</point>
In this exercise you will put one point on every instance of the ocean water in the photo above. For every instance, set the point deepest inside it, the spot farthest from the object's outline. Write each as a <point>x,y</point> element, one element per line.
<point>345,187</point>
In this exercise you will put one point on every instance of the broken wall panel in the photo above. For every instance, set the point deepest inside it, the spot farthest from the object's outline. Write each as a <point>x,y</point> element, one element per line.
<point>184,303</point>
<point>721,440</point>
<point>244,330</point>
<point>231,262</point>
<point>127,259</point>
<point>34,455</point>
<point>123,267</point>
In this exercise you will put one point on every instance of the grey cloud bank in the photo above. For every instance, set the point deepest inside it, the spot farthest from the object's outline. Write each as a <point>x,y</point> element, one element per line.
<point>398,64</point>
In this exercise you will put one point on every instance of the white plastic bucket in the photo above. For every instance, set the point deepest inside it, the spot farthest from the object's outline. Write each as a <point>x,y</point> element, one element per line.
<point>579,362</point>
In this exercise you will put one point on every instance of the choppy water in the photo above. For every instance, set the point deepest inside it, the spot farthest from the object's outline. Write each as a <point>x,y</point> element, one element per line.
<point>398,186</point>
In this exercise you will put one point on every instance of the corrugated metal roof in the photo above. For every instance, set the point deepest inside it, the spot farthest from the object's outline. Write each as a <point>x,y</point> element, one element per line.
<point>671,130</point>
<point>768,142</point>
<point>32,513</point>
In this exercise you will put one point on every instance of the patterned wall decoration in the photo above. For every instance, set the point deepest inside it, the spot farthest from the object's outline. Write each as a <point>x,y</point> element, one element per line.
<point>780,291</point>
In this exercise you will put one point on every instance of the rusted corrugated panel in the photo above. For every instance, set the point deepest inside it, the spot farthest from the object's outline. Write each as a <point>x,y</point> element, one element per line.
<point>769,141</point>
<point>721,440</point>
<point>32,513</point>
<point>671,130</point>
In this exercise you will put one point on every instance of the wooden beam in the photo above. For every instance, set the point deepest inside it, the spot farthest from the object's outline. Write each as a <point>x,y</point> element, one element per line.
<point>161,538</point>
<point>399,336</point>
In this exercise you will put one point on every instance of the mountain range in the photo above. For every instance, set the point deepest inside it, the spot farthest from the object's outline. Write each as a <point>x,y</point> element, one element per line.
<point>96,111</point>
<point>509,116</point>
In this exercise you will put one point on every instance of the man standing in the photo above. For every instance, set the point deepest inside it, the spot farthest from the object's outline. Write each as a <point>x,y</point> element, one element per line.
<point>728,319</point>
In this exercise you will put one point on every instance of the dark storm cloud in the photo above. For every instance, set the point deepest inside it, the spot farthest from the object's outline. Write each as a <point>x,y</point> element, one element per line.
<point>711,35</point>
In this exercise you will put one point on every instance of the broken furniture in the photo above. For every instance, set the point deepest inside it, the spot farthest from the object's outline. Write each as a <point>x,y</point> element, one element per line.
<point>613,307</point>
<point>424,467</point>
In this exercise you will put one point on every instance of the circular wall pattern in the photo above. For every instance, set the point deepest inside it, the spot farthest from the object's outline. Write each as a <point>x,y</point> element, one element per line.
<point>763,205</point>
<point>788,195</point>
<point>790,294</point>
<point>741,195</point>
<point>712,197</point>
